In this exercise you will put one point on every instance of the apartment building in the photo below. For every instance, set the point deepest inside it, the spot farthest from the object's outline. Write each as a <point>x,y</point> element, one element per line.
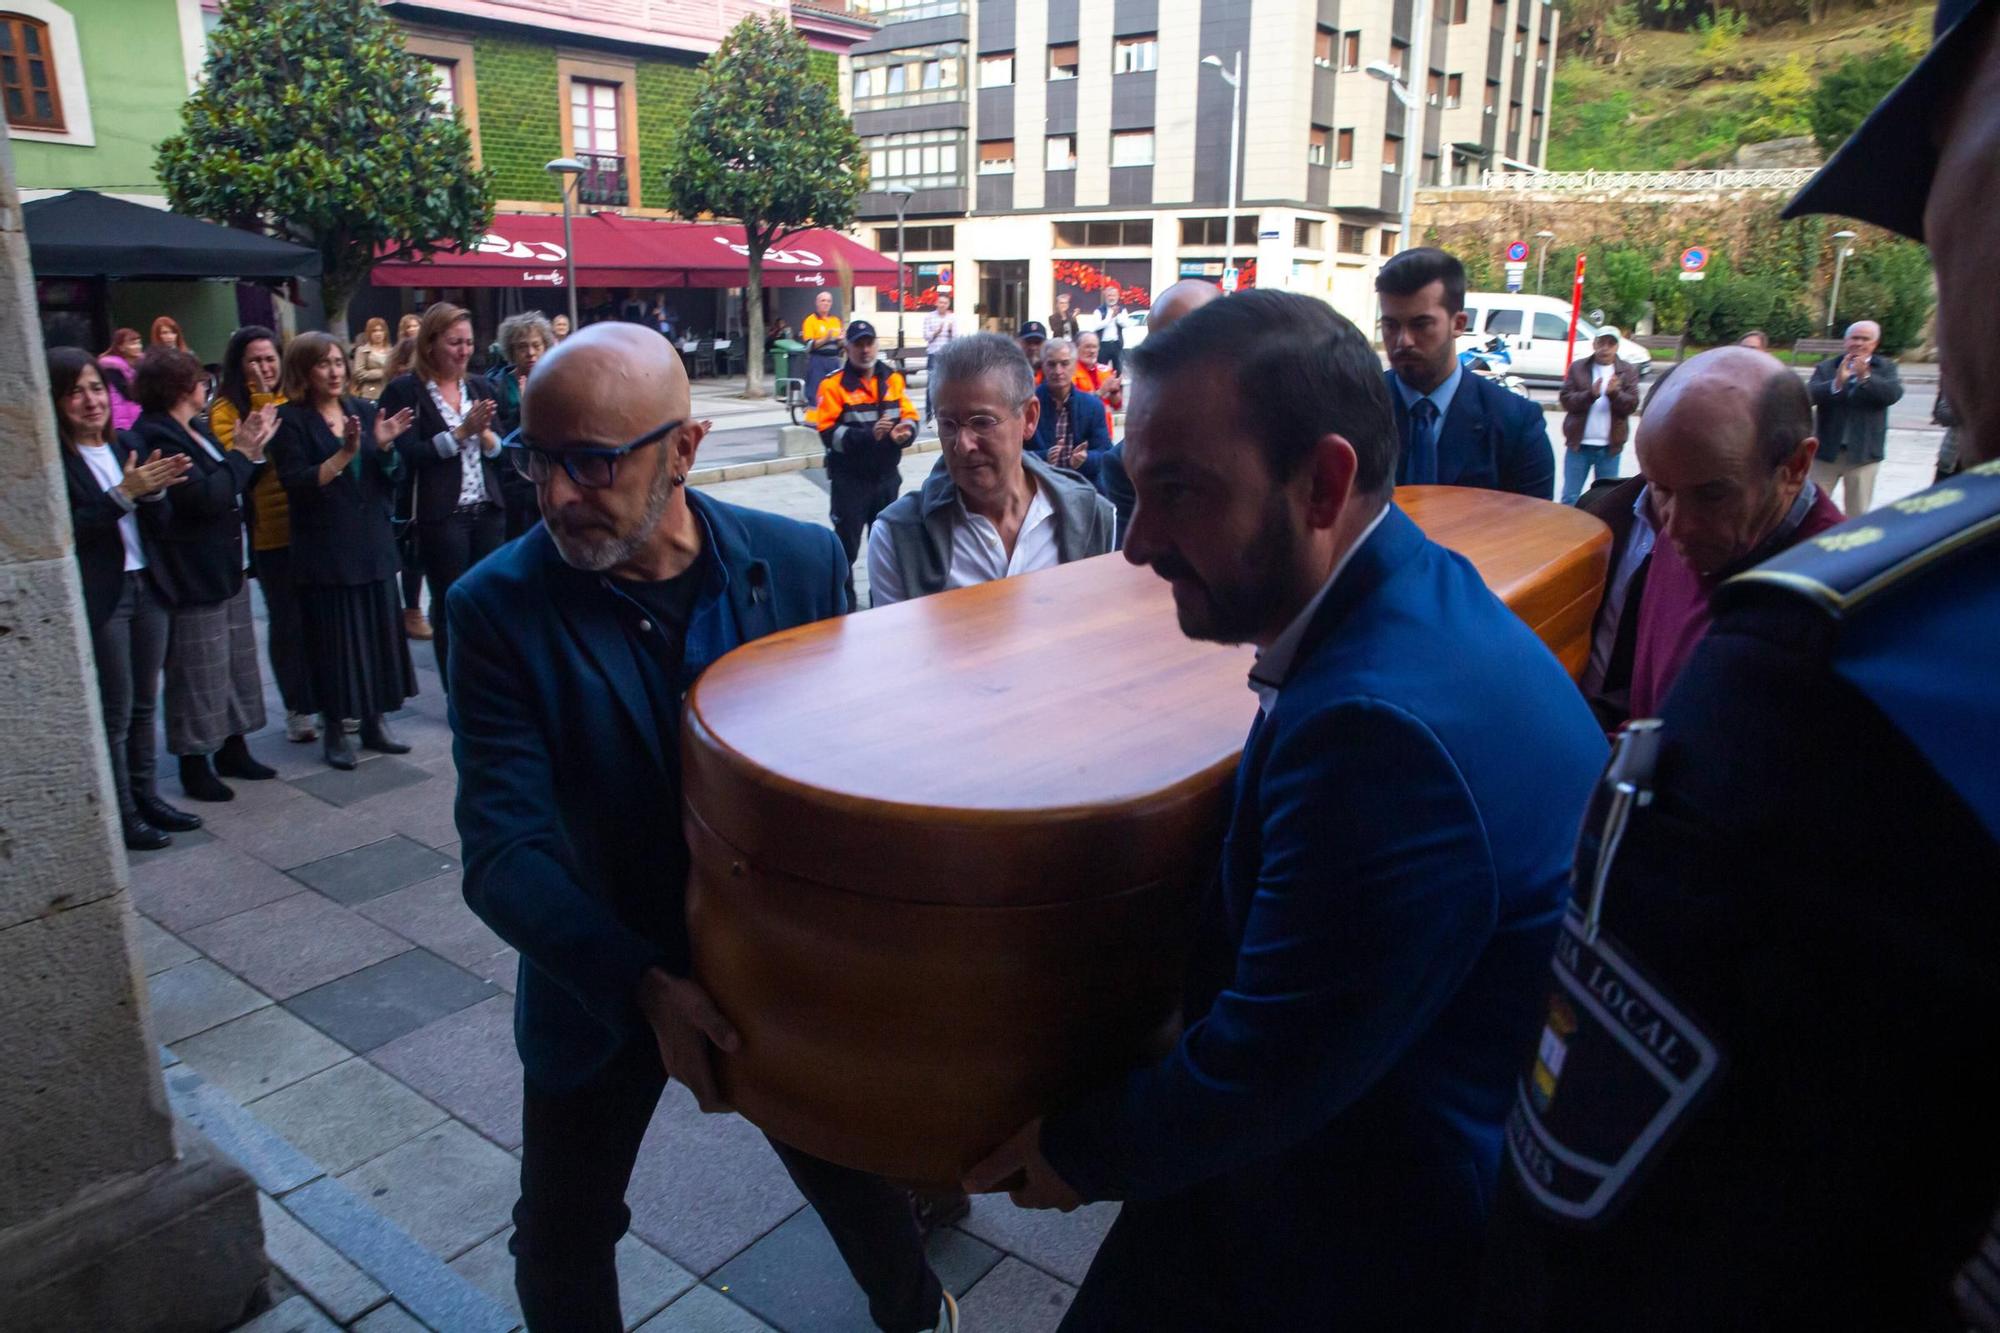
<point>1053,145</point>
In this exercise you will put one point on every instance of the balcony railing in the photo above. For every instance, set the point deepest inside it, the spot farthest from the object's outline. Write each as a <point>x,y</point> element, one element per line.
<point>602,184</point>
<point>1770,178</point>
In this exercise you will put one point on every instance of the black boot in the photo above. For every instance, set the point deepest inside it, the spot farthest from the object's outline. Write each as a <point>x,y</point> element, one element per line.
<point>198,780</point>
<point>141,836</point>
<point>234,760</point>
<point>160,815</point>
<point>333,744</point>
<point>375,735</point>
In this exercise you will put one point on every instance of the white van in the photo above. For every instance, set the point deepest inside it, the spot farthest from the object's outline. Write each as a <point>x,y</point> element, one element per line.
<point>1535,328</point>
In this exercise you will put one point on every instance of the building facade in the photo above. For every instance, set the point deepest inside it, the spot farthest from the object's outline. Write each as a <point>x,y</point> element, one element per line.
<point>1051,146</point>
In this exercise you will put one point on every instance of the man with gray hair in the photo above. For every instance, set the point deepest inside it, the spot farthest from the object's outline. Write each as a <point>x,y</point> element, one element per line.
<point>1853,392</point>
<point>993,509</point>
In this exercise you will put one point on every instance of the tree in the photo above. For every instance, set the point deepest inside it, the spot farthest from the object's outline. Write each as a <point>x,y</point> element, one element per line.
<point>768,145</point>
<point>1847,93</point>
<point>1890,283</point>
<point>314,121</point>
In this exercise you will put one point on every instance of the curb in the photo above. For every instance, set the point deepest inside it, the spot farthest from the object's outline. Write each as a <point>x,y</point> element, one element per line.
<point>767,467</point>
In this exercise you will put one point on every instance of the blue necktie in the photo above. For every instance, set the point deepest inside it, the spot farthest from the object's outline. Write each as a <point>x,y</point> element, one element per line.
<point>1420,455</point>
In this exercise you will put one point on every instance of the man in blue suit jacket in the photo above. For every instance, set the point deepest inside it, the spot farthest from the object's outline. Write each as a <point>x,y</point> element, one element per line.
<point>1456,428</point>
<point>573,648</point>
<point>1064,405</point>
<point>1319,1148</point>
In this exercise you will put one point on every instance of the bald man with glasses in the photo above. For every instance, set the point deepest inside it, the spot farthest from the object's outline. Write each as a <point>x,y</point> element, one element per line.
<point>573,648</point>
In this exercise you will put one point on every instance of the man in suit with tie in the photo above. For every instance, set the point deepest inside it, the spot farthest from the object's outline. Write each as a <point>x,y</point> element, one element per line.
<point>572,650</point>
<point>1317,1149</point>
<point>1456,428</point>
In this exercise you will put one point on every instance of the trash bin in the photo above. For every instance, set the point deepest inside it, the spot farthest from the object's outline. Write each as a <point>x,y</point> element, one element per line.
<point>783,353</point>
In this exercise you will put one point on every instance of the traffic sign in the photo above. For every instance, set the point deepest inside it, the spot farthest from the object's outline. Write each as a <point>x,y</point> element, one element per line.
<point>1229,280</point>
<point>1516,274</point>
<point>1518,251</point>
<point>1694,259</point>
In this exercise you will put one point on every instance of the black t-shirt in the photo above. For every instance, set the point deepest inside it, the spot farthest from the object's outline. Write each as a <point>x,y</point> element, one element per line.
<point>668,603</point>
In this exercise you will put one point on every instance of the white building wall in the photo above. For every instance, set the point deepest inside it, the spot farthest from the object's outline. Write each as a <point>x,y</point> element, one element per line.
<point>1093,105</point>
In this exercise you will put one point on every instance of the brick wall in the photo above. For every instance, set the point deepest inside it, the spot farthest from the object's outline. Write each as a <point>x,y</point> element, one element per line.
<point>520,115</point>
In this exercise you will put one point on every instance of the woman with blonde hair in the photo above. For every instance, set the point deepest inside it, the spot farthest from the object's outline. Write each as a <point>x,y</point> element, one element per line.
<point>406,328</point>
<point>452,448</point>
<point>336,457</point>
<point>371,358</point>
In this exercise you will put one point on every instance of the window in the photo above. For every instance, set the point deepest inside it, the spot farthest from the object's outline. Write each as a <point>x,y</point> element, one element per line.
<point>593,116</point>
<point>1458,10</point>
<point>1353,239</point>
<point>1454,90</point>
<point>923,160</point>
<point>1521,43</point>
<point>1513,118</point>
<point>997,70</point>
<point>906,11</point>
<point>1542,54</point>
<point>1350,51</point>
<point>1392,241</point>
<point>1493,97</point>
<point>1392,153</point>
<point>1215,231</point>
<point>1308,233</point>
<point>1535,127</point>
<point>1062,61</point>
<point>1434,88</point>
<point>996,157</point>
<point>1507,322</point>
<point>1319,146</point>
<point>1323,48</point>
<point>28,75</point>
<point>1132,148</point>
<point>1343,149</point>
<point>913,77</point>
<point>444,96</point>
<point>936,237</point>
<point>1399,58</point>
<point>1136,55</point>
<point>1552,327</point>
<point>1117,232</point>
<point>1061,153</point>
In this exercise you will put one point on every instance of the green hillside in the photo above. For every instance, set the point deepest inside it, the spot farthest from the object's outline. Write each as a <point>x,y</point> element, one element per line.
<point>1648,100</point>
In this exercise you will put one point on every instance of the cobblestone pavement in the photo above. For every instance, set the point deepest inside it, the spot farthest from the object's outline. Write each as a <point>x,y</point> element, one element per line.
<point>334,1016</point>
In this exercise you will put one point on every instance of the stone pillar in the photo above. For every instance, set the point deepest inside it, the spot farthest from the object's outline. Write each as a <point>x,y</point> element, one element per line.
<point>112,1216</point>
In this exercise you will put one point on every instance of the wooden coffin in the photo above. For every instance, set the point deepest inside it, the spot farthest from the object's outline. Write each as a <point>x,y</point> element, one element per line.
<point>943,851</point>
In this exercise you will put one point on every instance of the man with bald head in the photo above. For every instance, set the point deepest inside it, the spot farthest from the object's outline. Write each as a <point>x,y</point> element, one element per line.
<point>1853,392</point>
<point>1171,306</point>
<point>1723,485</point>
<point>574,647</point>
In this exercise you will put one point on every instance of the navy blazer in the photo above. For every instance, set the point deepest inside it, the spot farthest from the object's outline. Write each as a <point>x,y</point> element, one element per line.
<point>1319,1149</point>
<point>1492,438</point>
<point>201,552</point>
<point>564,767</point>
<point>1086,427</point>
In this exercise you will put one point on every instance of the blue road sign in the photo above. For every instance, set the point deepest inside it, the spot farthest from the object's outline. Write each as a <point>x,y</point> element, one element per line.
<point>1694,258</point>
<point>1518,251</point>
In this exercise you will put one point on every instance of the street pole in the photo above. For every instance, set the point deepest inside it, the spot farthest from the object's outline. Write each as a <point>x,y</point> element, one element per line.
<point>1842,239</point>
<point>902,275</point>
<point>569,252</point>
<point>1235,141</point>
<point>1542,261</point>
<point>1419,82</point>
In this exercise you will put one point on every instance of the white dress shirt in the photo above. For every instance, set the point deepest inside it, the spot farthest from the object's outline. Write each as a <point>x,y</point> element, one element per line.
<point>977,555</point>
<point>105,468</point>
<point>1273,664</point>
<point>1597,426</point>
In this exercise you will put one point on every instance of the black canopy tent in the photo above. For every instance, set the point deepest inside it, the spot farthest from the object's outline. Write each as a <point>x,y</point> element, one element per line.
<point>83,234</point>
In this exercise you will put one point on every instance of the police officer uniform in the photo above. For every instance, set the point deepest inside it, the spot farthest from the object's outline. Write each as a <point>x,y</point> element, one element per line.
<point>863,472</point>
<point>1764,1093</point>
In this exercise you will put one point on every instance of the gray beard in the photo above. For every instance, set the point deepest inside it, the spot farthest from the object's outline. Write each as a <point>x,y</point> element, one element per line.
<point>598,554</point>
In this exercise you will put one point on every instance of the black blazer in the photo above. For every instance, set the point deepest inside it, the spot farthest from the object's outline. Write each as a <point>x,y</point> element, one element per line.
<point>100,548</point>
<point>201,549</point>
<point>342,534</point>
<point>438,479</point>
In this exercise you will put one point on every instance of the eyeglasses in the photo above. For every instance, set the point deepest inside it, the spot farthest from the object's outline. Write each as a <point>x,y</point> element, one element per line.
<point>590,466</point>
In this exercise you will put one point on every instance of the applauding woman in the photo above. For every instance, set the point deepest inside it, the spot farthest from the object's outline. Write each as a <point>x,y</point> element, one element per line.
<point>454,451</point>
<point>337,460</point>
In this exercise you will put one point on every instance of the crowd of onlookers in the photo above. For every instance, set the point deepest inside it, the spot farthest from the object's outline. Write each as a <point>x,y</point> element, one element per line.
<point>341,479</point>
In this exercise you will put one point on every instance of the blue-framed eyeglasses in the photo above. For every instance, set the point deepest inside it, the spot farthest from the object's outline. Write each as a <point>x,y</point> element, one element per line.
<point>588,465</point>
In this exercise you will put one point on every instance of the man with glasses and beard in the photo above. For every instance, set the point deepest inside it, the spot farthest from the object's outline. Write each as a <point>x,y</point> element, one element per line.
<point>574,647</point>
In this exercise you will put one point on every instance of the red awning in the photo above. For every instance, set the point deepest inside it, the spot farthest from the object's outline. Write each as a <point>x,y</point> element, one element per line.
<point>612,250</point>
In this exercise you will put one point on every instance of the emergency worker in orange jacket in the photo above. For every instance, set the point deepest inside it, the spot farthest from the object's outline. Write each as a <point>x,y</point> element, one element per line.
<point>865,418</point>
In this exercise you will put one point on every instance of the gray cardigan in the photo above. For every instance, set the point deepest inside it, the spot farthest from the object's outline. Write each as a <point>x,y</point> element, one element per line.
<point>919,523</point>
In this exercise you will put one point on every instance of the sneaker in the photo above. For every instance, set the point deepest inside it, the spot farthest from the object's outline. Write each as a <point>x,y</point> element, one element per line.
<point>947,1315</point>
<point>415,625</point>
<point>300,728</point>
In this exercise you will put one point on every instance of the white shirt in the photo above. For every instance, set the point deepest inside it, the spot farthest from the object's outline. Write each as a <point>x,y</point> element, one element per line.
<point>1597,426</point>
<point>1273,664</point>
<point>471,476</point>
<point>939,330</point>
<point>105,468</point>
<point>977,555</point>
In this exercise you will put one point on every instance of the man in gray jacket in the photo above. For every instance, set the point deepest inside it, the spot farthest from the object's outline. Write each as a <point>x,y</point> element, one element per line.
<point>991,509</point>
<point>1853,393</point>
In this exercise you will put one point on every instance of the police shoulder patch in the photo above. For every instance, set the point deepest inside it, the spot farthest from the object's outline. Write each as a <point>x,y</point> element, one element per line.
<point>1842,568</point>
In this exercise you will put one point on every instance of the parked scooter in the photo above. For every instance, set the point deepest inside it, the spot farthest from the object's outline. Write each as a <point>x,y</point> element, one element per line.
<point>1488,361</point>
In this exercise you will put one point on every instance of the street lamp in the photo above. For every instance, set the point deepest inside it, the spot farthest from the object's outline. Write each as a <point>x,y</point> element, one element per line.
<point>901,194</point>
<point>1234,78</point>
<point>567,170</point>
<point>1840,254</point>
<point>1413,116</point>
<point>1542,260</point>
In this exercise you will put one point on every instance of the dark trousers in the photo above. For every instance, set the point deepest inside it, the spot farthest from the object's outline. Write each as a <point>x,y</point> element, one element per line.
<point>1112,354</point>
<point>857,498</point>
<point>577,1153</point>
<point>130,648</point>
<point>449,547</point>
<point>287,641</point>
